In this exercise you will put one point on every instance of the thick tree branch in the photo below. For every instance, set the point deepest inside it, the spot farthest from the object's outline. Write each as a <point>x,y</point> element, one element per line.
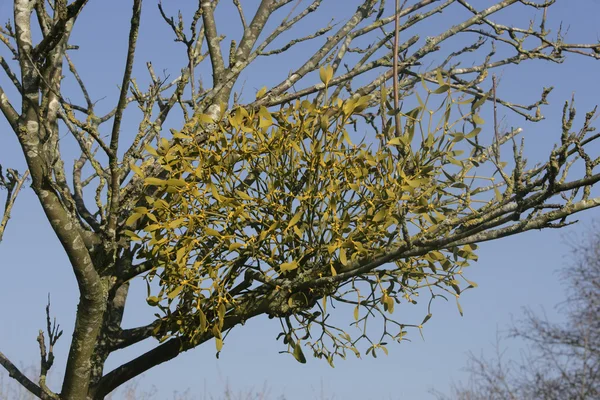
<point>482,235</point>
<point>16,374</point>
<point>45,166</point>
<point>252,32</point>
<point>11,75</point>
<point>8,110</point>
<point>213,41</point>
<point>167,351</point>
<point>163,353</point>
<point>115,172</point>
<point>63,15</point>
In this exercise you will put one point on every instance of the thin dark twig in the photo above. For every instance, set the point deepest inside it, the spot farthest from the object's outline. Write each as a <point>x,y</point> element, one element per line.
<point>395,69</point>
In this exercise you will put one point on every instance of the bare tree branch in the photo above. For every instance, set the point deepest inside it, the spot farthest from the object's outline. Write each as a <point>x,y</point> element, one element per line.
<point>47,352</point>
<point>213,40</point>
<point>115,184</point>
<point>15,373</point>
<point>13,184</point>
<point>241,12</point>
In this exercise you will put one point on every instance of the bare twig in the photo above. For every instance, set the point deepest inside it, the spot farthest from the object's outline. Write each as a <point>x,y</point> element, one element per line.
<point>241,12</point>
<point>395,70</point>
<point>114,141</point>
<point>47,353</point>
<point>12,182</point>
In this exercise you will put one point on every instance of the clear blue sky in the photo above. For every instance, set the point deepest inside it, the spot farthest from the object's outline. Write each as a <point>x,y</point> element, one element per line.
<point>511,273</point>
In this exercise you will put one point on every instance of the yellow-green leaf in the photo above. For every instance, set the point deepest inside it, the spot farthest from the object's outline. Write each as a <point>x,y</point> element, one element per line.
<point>221,311</point>
<point>132,235</point>
<point>261,92</point>
<point>212,232</point>
<point>207,119</point>
<point>347,137</point>
<point>439,77</point>
<point>479,102</point>
<point>152,228</point>
<point>394,141</point>
<point>295,219</point>
<point>331,248</point>
<point>381,214</point>
<point>471,283</point>
<point>216,332</point>
<point>471,247</point>
<point>441,89</point>
<point>243,195</point>
<point>460,310</point>
<point>137,170</point>
<point>265,123</point>
<point>348,107</point>
<point>176,223</point>
<point>151,150</point>
<point>234,246</point>
<point>263,112</point>
<point>473,133</point>
<point>152,301</point>
<point>155,181</point>
<point>202,318</point>
<point>179,135</point>
<point>298,354</point>
<point>497,194</point>
<point>299,232</point>
<point>173,293</point>
<point>176,182</point>
<point>427,317</point>
<point>343,258</point>
<point>288,266</point>
<point>214,192</point>
<point>180,254</point>
<point>389,303</point>
<point>133,218</point>
<point>326,73</point>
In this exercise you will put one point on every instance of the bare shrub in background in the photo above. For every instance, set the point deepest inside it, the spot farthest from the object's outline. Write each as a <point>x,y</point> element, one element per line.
<point>563,359</point>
